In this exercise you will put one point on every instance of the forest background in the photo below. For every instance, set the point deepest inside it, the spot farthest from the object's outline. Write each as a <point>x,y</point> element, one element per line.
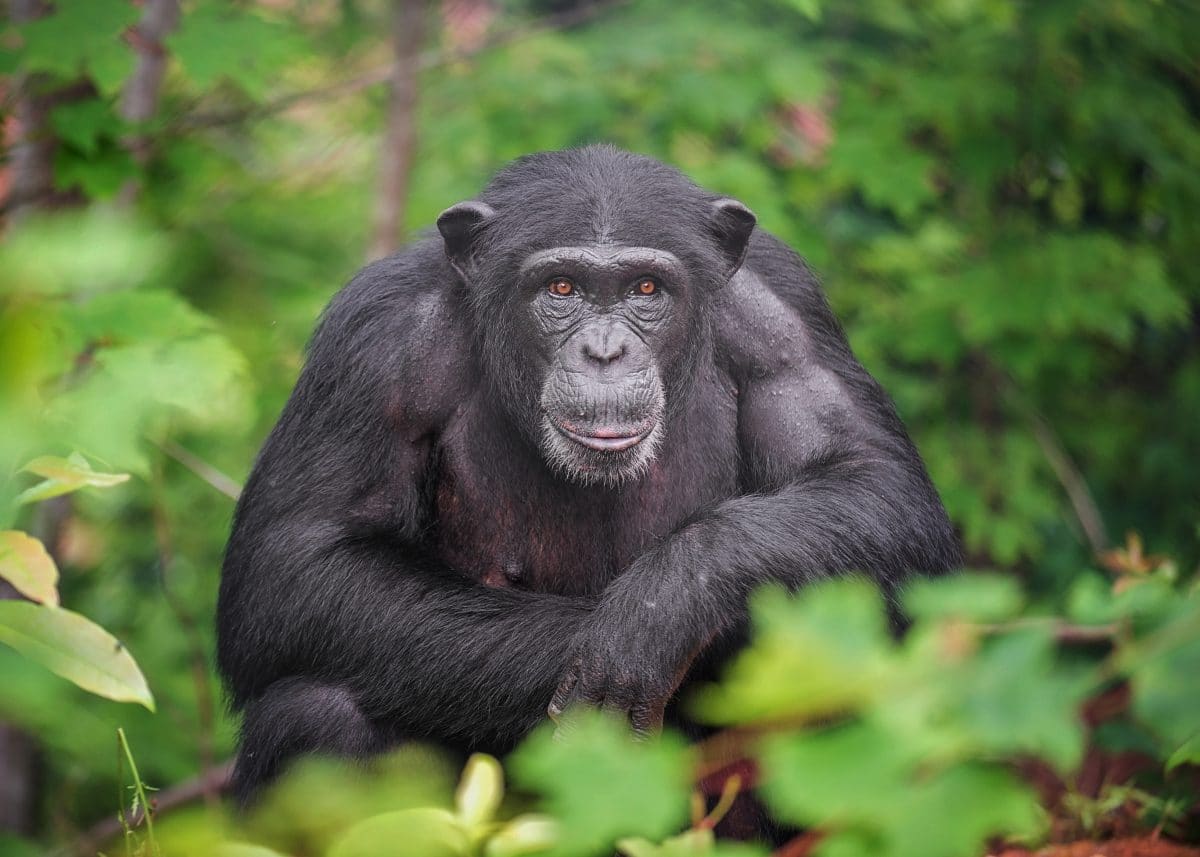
<point>1001,197</point>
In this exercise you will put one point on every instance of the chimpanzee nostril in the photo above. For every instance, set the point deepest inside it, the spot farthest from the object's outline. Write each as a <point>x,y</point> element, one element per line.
<point>604,349</point>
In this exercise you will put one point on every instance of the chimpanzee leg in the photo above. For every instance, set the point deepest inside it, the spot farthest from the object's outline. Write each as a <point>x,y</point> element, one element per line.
<point>294,717</point>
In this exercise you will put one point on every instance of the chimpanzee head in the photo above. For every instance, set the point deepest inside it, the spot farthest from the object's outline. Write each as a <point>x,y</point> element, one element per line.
<point>589,273</point>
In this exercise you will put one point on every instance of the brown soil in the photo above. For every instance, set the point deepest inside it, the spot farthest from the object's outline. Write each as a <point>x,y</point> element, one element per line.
<point>1144,847</point>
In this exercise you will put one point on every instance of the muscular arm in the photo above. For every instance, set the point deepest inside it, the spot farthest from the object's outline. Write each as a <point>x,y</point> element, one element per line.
<point>324,578</point>
<point>831,484</point>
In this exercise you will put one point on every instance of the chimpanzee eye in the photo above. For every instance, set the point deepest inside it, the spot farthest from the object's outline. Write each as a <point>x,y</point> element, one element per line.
<point>646,286</point>
<point>561,287</point>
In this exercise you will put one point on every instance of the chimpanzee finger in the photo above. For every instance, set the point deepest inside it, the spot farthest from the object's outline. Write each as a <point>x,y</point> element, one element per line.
<point>564,694</point>
<point>646,718</point>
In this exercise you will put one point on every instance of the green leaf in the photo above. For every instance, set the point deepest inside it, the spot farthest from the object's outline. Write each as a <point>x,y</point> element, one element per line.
<point>64,475</point>
<point>1163,699</point>
<point>424,832</point>
<point>75,253</point>
<point>690,843</point>
<point>213,33</point>
<point>75,648</point>
<point>972,597</point>
<point>823,651</point>
<point>243,849</point>
<point>834,776</point>
<point>479,791</point>
<point>811,9</point>
<point>599,783</point>
<point>860,780</point>
<point>1010,698</point>
<point>1188,753</point>
<point>82,36</point>
<point>99,176</point>
<point>525,834</point>
<point>25,564</point>
<point>83,123</point>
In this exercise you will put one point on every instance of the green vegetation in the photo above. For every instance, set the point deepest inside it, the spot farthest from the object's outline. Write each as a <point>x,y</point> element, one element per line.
<point>1002,198</point>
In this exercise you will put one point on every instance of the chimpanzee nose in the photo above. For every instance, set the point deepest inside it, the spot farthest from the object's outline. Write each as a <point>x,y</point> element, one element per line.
<point>604,348</point>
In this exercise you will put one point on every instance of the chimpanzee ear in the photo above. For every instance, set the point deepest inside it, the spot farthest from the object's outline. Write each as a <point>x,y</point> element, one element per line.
<point>732,223</point>
<point>460,225</point>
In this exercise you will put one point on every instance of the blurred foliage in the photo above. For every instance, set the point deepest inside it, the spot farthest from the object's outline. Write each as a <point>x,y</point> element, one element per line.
<point>921,759</point>
<point>1001,197</point>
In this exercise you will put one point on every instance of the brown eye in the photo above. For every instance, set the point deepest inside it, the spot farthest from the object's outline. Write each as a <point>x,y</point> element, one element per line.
<point>561,287</point>
<point>646,286</point>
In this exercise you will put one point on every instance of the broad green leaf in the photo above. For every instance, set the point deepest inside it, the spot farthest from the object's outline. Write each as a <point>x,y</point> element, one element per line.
<point>83,123</point>
<point>25,564</point>
<point>1161,667</point>
<point>966,806</point>
<point>98,176</point>
<point>82,37</point>
<point>858,779</point>
<point>823,651</point>
<point>811,9</point>
<point>1005,697</point>
<point>243,849</point>
<point>972,597</point>
<point>420,832</point>
<point>836,776</point>
<point>64,475</point>
<point>600,784</point>
<point>75,648</point>
<point>214,32</point>
<point>1188,753</point>
<point>79,253</point>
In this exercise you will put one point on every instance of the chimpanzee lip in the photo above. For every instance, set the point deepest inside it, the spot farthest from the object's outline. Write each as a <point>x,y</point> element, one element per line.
<point>606,439</point>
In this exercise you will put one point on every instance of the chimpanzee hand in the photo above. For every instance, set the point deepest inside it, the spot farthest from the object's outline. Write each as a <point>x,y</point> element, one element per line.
<point>631,654</point>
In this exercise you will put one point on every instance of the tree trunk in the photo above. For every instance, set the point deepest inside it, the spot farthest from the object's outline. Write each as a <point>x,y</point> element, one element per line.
<point>400,138</point>
<point>31,152</point>
<point>139,99</point>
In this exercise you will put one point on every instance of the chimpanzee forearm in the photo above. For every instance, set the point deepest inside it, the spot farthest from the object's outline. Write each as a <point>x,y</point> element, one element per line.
<point>415,646</point>
<point>841,515</point>
<point>845,515</point>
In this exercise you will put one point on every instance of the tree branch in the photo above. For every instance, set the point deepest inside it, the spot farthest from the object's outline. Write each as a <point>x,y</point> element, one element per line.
<point>201,468</point>
<point>400,138</point>
<point>1087,512</point>
<point>214,780</point>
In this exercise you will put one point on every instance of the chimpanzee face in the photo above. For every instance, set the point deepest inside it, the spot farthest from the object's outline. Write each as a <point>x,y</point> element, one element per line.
<point>590,301</point>
<point>603,315</point>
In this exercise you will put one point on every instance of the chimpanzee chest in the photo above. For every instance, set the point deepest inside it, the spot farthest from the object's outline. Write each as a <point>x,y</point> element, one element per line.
<point>504,519</point>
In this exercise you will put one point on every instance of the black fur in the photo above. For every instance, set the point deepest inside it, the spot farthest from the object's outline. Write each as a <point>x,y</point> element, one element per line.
<point>404,561</point>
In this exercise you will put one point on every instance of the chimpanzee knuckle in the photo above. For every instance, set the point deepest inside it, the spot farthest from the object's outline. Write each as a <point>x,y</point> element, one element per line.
<point>626,683</point>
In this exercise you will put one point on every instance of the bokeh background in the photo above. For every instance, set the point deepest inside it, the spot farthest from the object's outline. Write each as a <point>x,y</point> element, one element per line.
<point>1002,198</point>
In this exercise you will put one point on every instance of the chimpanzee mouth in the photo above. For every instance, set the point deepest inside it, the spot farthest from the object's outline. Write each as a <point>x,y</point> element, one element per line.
<point>606,455</point>
<point>606,439</point>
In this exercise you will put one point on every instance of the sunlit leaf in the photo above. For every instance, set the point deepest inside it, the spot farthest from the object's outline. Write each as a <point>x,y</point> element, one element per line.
<point>480,790</point>
<point>1160,666</point>
<point>820,652</point>
<point>25,564</point>
<point>75,648</point>
<point>81,37</point>
<point>600,783</point>
<point>976,597</point>
<point>64,475</point>
<point>423,832</point>
<point>524,835</point>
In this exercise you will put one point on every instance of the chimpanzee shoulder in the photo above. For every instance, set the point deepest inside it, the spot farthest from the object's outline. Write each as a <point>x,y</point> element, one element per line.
<point>395,338</point>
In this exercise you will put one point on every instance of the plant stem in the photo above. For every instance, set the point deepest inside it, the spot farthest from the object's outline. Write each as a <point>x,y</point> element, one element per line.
<point>140,790</point>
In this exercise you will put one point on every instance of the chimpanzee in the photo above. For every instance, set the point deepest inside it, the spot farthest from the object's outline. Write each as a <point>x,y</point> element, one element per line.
<point>544,460</point>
